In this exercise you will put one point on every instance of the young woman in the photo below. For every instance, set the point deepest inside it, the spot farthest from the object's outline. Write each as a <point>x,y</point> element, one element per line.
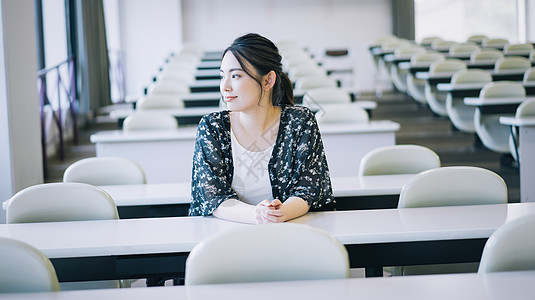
<point>262,160</point>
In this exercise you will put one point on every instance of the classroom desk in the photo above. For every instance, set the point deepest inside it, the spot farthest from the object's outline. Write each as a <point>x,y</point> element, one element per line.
<point>526,148</point>
<point>473,89</point>
<point>209,64</point>
<point>496,105</point>
<point>434,79</point>
<point>501,285</point>
<point>173,199</point>
<point>204,86</point>
<point>207,74</point>
<point>158,247</point>
<point>166,156</point>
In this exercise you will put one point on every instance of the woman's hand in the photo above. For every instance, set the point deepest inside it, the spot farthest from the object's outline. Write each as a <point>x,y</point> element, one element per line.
<point>270,212</point>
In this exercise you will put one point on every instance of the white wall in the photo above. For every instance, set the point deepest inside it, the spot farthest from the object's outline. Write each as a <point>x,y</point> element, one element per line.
<point>150,31</point>
<point>312,23</point>
<point>20,149</point>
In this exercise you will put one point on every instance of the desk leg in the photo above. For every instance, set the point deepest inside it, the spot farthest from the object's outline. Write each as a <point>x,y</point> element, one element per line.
<point>374,272</point>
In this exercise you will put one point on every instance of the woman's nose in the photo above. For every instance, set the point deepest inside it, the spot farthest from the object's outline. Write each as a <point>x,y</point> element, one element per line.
<point>225,85</point>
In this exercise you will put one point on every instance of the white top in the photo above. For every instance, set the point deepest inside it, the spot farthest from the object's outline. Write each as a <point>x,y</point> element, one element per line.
<point>251,177</point>
<point>473,286</point>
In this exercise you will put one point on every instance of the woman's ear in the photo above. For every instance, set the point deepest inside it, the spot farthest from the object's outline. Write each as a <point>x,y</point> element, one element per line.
<point>269,80</point>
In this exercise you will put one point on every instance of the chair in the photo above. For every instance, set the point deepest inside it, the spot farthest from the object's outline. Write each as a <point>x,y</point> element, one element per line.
<point>435,98</point>
<point>442,45</point>
<point>269,252</point>
<point>511,247</point>
<point>105,171</point>
<point>495,43</point>
<point>398,159</point>
<point>485,56</point>
<point>428,40</point>
<point>64,201</point>
<point>306,69</point>
<point>477,38</point>
<point>315,81</point>
<point>148,120</point>
<point>517,49</point>
<point>450,186</point>
<point>460,114</point>
<point>415,86</point>
<point>529,76</point>
<point>327,95</point>
<point>463,50</point>
<point>349,113</point>
<point>174,88</point>
<point>25,269</point>
<point>512,63</point>
<point>398,75</point>
<point>525,109</point>
<point>159,101</point>
<point>493,134</point>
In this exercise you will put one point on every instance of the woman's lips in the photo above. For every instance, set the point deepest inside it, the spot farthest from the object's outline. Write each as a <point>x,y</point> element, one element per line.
<point>230,98</point>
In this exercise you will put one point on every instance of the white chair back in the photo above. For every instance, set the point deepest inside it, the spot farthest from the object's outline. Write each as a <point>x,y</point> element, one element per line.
<point>315,81</point>
<point>450,65</point>
<point>159,101</point>
<point>398,159</point>
<point>529,76</point>
<point>349,113</point>
<point>512,63</point>
<point>60,201</point>
<point>270,252</point>
<point>463,49</point>
<point>25,269</point>
<point>498,89</point>
<point>326,95</point>
<point>486,55</point>
<point>148,120</point>
<point>105,171</point>
<point>511,247</point>
<point>452,186</point>
<point>495,43</point>
<point>477,38</point>
<point>471,76</point>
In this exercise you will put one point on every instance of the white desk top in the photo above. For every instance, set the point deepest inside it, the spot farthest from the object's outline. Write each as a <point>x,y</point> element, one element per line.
<point>448,87</point>
<point>180,193</point>
<point>478,101</point>
<point>188,133</point>
<point>181,234</point>
<point>518,121</point>
<point>177,112</point>
<point>504,285</point>
<point>117,136</point>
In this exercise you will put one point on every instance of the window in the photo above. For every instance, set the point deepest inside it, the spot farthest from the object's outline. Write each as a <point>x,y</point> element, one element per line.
<point>456,20</point>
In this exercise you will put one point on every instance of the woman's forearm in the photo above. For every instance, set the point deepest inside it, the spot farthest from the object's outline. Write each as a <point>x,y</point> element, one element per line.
<point>295,207</point>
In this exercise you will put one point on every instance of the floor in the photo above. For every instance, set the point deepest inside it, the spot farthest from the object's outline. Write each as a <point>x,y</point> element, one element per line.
<point>419,125</point>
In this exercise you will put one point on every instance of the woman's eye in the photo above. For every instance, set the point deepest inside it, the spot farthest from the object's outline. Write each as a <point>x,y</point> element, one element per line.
<point>235,76</point>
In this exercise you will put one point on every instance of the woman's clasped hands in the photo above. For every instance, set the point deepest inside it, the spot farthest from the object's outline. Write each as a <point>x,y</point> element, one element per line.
<point>270,212</point>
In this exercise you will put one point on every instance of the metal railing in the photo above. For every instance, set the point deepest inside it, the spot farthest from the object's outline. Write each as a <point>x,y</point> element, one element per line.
<point>65,89</point>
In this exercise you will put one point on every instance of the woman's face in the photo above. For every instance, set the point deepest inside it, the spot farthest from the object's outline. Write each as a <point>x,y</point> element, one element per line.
<point>240,91</point>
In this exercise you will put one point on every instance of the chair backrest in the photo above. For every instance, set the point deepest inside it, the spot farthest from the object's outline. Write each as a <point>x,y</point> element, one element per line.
<point>326,95</point>
<point>25,269</point>
<point>391,45</point>
<point>169,88</point>
<point>398,159</point>
<point>60,201</point>
<point>314,81</point>
<point>449,65</point>
<point>342,113</point>
<point>471,76</point>
<point>426,57</point>
<point>408,50</point>
<point>512,63</point>
<point>441,45</point>
<point>499,89</point>
<point>428,40</point>
<point>450,186</point>
<point>105,171</point>
<point>529,75</point>
<point>526,109</point>
<point>459,49</point>
<point>511,48</point>
<point>477,38</point>
<point>148,120</point>
<point>486,55</point>
<point>511,247</point>
<point>159,101</point>
<point>269,252</point>
<point>495,43</point>
<point>306,69</point>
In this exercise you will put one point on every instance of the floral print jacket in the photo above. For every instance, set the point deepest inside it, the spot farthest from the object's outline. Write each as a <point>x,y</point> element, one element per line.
<point>297,168</point>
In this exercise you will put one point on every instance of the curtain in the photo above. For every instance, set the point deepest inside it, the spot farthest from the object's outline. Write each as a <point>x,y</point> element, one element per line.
<point>92,55</point>
<point>403,19</point>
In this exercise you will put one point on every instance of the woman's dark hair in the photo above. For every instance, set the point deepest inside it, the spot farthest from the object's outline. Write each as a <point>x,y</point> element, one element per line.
<point>263,56</point>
